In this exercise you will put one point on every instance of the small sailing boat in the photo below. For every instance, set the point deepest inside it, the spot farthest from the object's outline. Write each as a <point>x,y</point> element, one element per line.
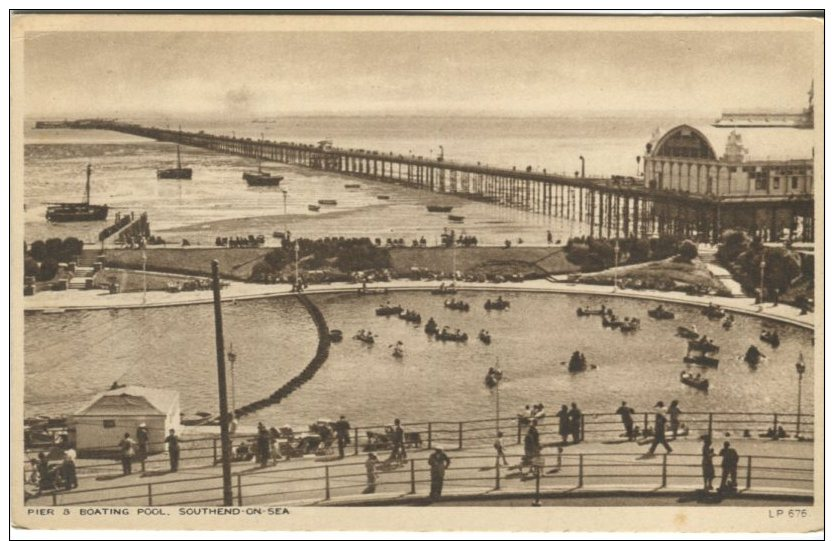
<point>179,172</point>
<point>77,212</point>
<point>261,177</point>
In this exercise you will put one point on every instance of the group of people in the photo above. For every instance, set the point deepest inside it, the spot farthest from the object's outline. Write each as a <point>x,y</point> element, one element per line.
<point>250,241</point>
<point>729,466</point>
<point>132,450</point>
<point>45,476</point>
<point>438,462</point>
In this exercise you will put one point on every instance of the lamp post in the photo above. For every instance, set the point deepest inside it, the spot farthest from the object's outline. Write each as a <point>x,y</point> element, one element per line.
<point>297,283</point>
<point>144,273</point>
<point>232,357</point>
<point>616,261</point>
<point>582,159</point>
<point>800,370</point>
<point>762,266</point>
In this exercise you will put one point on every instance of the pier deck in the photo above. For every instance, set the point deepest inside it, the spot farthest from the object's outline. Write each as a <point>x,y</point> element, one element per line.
<point>611,207</point>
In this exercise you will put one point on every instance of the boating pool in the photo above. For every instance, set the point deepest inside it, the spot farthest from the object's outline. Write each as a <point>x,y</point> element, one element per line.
<point>71,356</point>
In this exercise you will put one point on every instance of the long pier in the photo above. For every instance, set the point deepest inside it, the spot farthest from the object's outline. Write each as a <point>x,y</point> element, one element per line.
<point>609,207</point>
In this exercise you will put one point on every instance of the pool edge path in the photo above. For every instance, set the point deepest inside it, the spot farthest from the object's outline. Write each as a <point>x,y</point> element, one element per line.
<point>73,300</point>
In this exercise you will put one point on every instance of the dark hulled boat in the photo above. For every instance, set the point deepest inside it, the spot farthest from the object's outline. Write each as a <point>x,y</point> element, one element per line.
<point>177,173</point>
<point>261,177</point>
<point>77,212</point>
<point>439,208</point>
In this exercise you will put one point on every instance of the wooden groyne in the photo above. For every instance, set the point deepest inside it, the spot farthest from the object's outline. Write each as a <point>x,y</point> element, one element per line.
<point>609,207</point>
<point>309,371</point>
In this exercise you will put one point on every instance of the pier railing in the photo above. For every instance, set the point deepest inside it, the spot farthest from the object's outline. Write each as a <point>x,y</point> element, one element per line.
<point>469,475</point>
<point>471,434</point>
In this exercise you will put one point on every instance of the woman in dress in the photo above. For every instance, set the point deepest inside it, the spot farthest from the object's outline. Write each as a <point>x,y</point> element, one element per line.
<point>707,468</point>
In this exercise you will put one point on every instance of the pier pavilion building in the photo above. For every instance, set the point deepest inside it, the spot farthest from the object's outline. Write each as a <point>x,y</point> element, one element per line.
<point>764,177</point>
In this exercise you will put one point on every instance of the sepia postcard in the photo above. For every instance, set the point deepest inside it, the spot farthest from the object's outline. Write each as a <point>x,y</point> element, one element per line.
<point>424,272</point>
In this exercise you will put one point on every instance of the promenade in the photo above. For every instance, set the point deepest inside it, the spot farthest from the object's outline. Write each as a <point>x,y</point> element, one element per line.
<point>613,468</point>
<point>52,301</point>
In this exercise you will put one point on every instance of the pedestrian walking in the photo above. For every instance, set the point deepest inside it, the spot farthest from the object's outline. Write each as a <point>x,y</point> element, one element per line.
<point>143,442</point>
<point>342,435</point>
<point>625,414</point>
<point>575,422</point>
<point>68,467</point>
<point>729,468</point>
<point>707,467</point>
<point>532,446</point>
<point>263,445</point>
<point>564,423</point>
<point>674,418</point>
<point>173,442</point>
<point>371,465</point>
<point>438,462</point>
<point>499,449</point>
<point>127,449</point>
<point>398,441</point>
<point>659,429</point>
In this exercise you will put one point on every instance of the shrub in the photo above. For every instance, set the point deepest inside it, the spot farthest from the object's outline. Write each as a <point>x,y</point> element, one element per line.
<point>733,243</point>
<point>687,251</point>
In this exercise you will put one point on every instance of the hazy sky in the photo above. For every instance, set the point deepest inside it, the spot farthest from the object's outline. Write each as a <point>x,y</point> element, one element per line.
<point>506,73</point>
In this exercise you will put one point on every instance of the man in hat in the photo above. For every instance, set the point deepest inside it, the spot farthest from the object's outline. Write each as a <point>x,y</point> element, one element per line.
<point>659,429</point>
<point>729,467</point>
<point>173,442</point>
<point>371,465</point>
<point>143,443</point>
<point>438,462</point>
<point>342,434</point>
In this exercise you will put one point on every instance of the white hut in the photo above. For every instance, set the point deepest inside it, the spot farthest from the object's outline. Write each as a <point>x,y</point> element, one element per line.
<point>100,424</point>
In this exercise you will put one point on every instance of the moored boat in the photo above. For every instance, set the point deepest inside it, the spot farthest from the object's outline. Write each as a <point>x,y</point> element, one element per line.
<point>589,312</point>
<point>455,218</point>
<point>261,177</point>
<point>314,208</point>
<point>330,202</point>
<point>352,186</point>
<point>383,197</point>
<point>77,212</point>
<point>439,208</point>
<point>179,172</point>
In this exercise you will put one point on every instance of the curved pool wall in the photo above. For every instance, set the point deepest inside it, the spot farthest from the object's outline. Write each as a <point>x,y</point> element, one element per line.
<point>433,381</point>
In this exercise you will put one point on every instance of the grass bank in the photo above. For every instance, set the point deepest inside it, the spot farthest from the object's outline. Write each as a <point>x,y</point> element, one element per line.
<point>235,263</point>
<point>668,274</point>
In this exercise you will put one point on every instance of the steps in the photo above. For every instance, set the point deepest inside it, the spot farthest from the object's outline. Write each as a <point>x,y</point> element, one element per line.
<point>80,277</point>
